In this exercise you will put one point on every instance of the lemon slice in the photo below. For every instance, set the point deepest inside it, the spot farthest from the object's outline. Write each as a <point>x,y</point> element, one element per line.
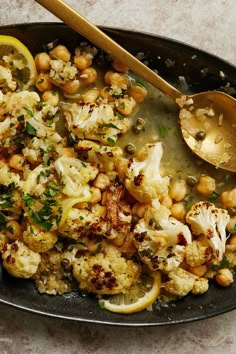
<point>20,61</point>
<point>139,297</point>
<point>68,203</point>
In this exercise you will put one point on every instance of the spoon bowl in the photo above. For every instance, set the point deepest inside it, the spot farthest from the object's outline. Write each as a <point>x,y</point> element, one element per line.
<point>212,113</point>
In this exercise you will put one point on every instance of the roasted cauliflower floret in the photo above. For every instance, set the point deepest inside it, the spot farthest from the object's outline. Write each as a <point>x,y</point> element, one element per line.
<point>16,103</point>
<point>74,175</point>
<point>205,219</point>
<point>143,179</point>
<point>39,240</point>
<point>161,239</point>
<point>106,272</point>
<point>62,72</point>
<point>19,260</point>
<point>94,121</point>
<point>7,177</point>
<point>108,157</point>
<point>54,274</point>
<point>182,282</point>
<point>197,253</point>
<point>41,150</point>
<point>79,222</point>
<point>6,79</point>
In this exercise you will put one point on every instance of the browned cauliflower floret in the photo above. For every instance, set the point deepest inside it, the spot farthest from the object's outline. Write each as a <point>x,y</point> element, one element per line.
<point>198,253</point>
<point>143,178</point>
<point>19,260</point>
<point>207,220</point>
<point>106,272</point>
<point>108,157</point>
<point>74,175</point>
<point>80,221</point>
<point>38,240</point>
<point>161,239</point>
<point>54,274</point>
<point>182,282</point>
<point>94,121</point>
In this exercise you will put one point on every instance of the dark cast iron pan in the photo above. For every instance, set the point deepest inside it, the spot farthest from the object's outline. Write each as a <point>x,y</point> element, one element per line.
<point>172,59</point>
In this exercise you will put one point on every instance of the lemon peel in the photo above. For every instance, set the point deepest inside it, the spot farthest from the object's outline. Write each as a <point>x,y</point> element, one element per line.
<point>138,298</point>
<point>17,53</point>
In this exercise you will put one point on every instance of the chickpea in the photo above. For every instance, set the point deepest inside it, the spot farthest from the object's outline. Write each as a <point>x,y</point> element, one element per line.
<point>107,77</point>
<point>82,61</point>
<point>206,185</point>
<point>228,198</point>
<point>43,82</point>
<point>51,97</point>
<point>118,80</point>
<point>96,195</point>
<point>101,181</point>
<point>122,167</point>
<point>166,201</point>
<point>17,161</point>
<point>71,87</point>
<point>90,96</point>
<point>224,277</point>
<point>105,93</point>
<point>60,52</point>
<point>125,106</point>
<point>119,240</point>
<point>88,76</point>
<point>42,61</point>
<point>13,230</point>
<point>199,270</point>
<point>232,240</point>
<point>140,209</point>
<point>231,226</point>
<point>119,66</point>
<point>138,93</point>
<point>178,190</point>
<point>178,211</point>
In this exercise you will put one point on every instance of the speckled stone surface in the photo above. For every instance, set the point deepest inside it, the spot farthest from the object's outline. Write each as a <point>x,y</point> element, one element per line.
<point>207,24</point>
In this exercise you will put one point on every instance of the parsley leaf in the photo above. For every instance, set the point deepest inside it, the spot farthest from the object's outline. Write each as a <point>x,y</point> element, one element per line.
<point>30,129</point>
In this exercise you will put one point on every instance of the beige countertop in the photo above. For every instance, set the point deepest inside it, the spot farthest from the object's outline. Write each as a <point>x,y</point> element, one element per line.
<point>209,25</point>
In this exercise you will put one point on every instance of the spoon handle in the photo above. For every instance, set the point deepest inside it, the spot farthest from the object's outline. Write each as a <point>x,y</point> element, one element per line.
<point>73,19</point>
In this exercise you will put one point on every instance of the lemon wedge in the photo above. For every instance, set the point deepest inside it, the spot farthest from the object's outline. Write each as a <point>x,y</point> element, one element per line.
<point>139,297</point>
<point>19,59</point>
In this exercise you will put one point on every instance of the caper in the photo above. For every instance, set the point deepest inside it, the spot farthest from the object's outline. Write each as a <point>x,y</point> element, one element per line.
<point>140,122</point>
<point>154,224</point>
<point>232,211</point>
<point>65,263</point>
<point>134,219</point>
<point>200,135</point>
<point>191,181</point>
<point>137,129</point>
<point>130,149</point>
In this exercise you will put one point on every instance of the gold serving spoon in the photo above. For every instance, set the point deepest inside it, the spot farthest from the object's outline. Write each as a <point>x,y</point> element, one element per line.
<point>207,119</point>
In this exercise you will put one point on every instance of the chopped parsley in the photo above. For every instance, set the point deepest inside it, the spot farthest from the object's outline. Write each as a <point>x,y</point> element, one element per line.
<point>108,125</point>
<point>30,113</point>
<point>29,129</point>
<point>213,197</point>
<point>111,142</point>
<point>162,130</point>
